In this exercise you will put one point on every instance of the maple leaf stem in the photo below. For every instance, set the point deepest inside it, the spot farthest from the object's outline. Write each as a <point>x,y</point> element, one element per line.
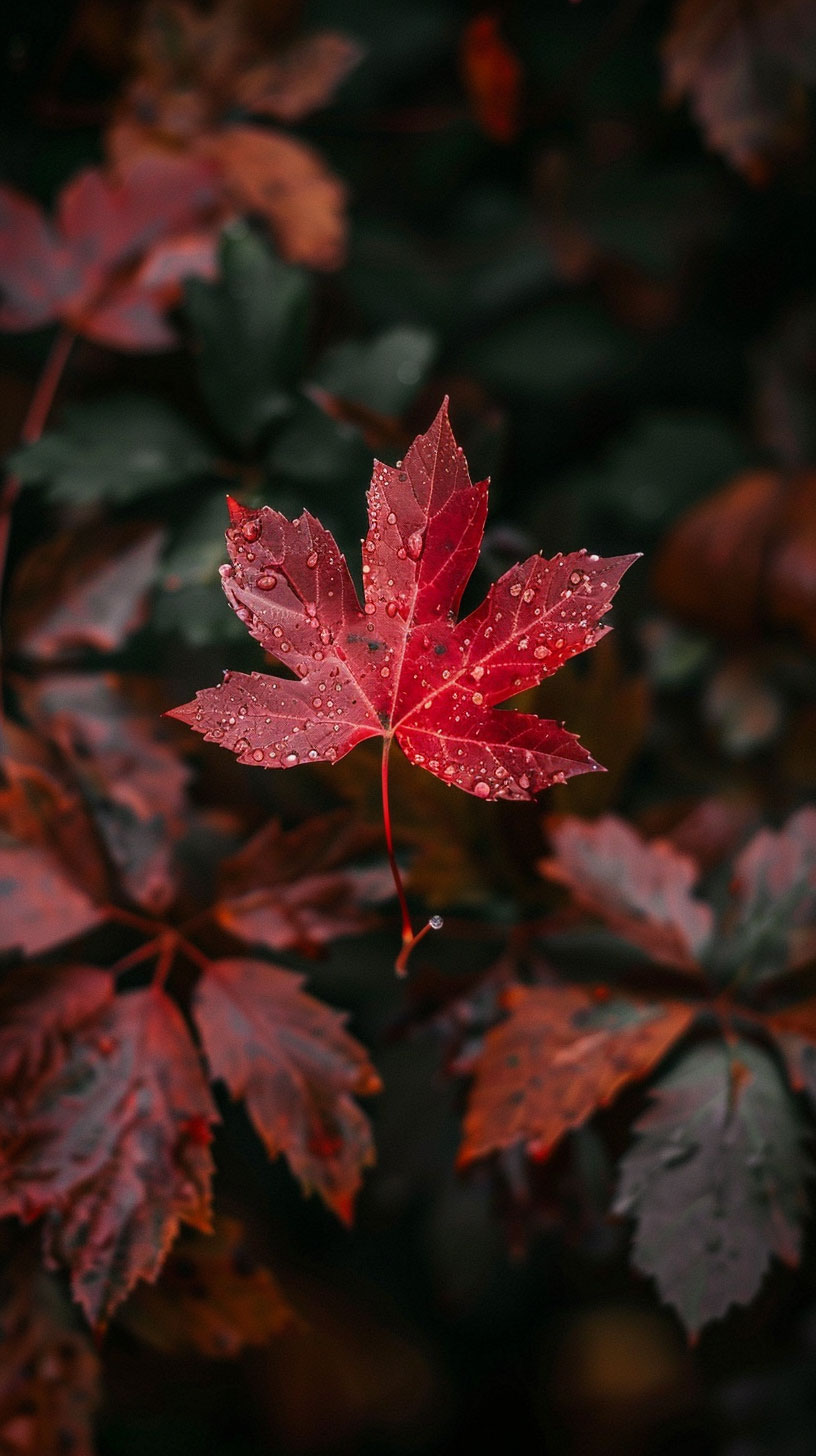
<point>142,952</point>
<point>407,927</point>
<point>409,939</point>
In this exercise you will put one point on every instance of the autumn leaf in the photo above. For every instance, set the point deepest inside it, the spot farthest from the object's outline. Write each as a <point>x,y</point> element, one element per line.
<point>492,74</point>
<point>758,535</point>
<point>133,784</point>
<point>212,1298</point>
<point>198,80</point>
<point>744,70</point>
<point>76,591</point>
<point>641,890</point>
<point>561,1055</point>
<point>41,906</point>
<point>296,1067</point>
<point>774,893</point>
<point>716,1179</point>
<point>91,267</point>
<point>298,889</point>
<point>401,666</point>
<point>110,1137</point>
<point>49,1372</point>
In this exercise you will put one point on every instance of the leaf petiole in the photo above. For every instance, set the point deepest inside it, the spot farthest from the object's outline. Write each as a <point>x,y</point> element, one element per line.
<point>409,939</point>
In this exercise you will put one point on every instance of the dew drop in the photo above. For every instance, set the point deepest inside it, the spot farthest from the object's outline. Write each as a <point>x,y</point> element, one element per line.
<point>481,789</point>
<point>478,699</point>
<point>241,745</point>
<point>391,609</point>
<point>257,754</point>
<point>268,582</point>
<point>311,559</point>
<point>291,759</point>
<point>524,782</point>
<point>392,520</point>
<point>414,545</point>
<point>515,590</point>
<point>251,530</point>
<point>370,608</point>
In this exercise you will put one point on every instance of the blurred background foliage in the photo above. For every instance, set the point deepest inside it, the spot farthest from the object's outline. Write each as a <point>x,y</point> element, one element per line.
<point>623,310</point>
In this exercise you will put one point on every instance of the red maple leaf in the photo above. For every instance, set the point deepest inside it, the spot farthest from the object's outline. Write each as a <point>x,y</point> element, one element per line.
<point>401,666</point>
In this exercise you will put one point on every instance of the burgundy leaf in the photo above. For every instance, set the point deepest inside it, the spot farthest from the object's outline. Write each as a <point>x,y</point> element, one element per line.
<point>641,890</point>
<point>298,1070</point>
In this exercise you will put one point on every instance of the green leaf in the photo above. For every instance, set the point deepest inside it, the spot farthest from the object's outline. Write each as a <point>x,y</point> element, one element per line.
<point>382,374</point>
<point>115,449</point>
<point>716,1179</point>
<point>660,465</point>
<point>555,350</point>
<point>315,452</point>
<point>251,330</point>
<point>190,602</point>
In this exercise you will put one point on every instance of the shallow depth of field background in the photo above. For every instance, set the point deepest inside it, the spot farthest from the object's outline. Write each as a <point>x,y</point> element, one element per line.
<point>624,322</point>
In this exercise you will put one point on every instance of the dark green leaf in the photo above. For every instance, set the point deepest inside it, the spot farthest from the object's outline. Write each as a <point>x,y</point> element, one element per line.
<point>251,331</point>
<point>553,351</point>
<point>315,452</point>
<point>115,449</point>
<point>662,463</point>
<point>716,1179</point>
<point>191,602</point>
<point>382,374</point>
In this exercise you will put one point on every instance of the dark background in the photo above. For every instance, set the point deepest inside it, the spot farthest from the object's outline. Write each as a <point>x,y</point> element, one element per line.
<point>623,323</point>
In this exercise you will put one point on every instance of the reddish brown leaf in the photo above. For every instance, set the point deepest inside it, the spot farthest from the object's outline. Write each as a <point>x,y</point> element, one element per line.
<point>296,1067</point>
<point>301,79</point>
<point>558,1058</point>
<point>493,77</point>
<point>194,72</point>
<point>83,267</point>
<point>79,590</point>
<point>743,69</point>
<point>745,557</point>
<point>111,1139</point>
<point>641,890</point>
<point>212,1298</point>
<point>49,1373</point>
<point>290,186</point>
<point>133,784</point>
<point>774,886</point>
<point>401,666</point>
<point>297,890</point>
<point>44,811</point>
<point>40,906</point>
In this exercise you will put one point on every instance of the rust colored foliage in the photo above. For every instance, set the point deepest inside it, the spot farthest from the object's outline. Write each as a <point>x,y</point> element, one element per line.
<point>106,1116</point>
<point>202,82</point>
<point>213,1297</point>
<point>757,537</point>
<point>561,1054</point>
<point>493,75</point>
<point>401,666</point>
<point>103,1129</point>
<point>111,261</point>
<point>296,1067</point>
<point>300,889</point>
<point>744,69</point>
<point>565,1051</point>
